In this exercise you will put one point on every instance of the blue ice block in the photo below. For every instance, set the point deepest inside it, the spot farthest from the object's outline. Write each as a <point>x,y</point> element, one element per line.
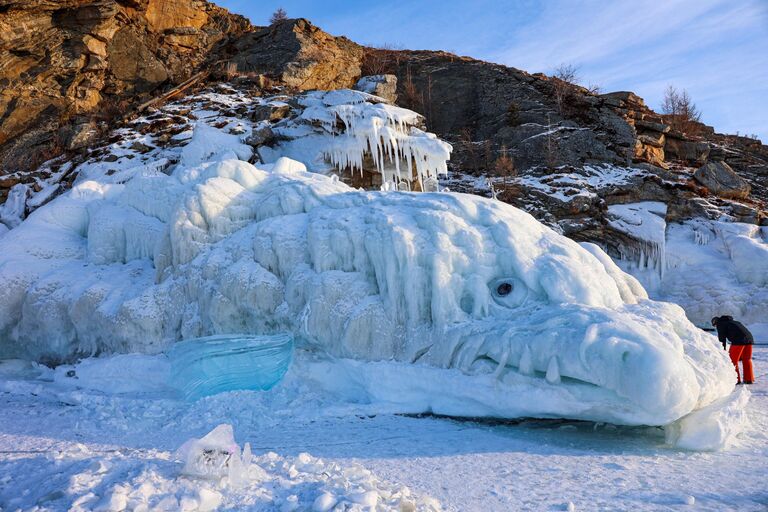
<point>207,366</point>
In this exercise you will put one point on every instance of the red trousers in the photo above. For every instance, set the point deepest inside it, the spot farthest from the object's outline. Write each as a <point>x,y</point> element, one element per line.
<point>743,353</point>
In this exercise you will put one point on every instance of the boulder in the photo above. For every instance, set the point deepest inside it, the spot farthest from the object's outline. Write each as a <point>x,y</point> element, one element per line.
<point>688,151</point>
<point>722,181</point>
<point>650,151</point>
<point>260,136</point>
<point>383,86</point>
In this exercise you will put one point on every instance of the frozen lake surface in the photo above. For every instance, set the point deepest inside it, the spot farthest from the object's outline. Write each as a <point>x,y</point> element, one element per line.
<point>65,446</point>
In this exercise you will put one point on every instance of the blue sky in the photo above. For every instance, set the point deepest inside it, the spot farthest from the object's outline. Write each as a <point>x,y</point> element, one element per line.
<point>716,49</point>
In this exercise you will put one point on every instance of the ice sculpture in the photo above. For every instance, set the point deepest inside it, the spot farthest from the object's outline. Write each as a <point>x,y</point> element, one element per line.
<point>463,305</point>
<point>207,366</point>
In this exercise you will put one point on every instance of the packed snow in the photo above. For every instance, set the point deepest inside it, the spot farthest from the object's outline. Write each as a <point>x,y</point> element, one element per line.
<point>108,434</point>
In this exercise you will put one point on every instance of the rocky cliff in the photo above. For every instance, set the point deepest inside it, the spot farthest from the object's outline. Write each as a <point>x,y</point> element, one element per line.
<point>573,153</point>
<point>67,65</point>
<point>551,129</point>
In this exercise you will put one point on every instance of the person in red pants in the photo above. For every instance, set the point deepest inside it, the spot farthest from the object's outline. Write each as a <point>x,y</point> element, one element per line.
<point>741,340</point>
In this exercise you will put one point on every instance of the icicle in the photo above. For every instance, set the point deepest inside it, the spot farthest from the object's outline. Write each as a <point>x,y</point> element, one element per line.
<point>502,363</point>
<point>553,371</point>
<point>526,362</point>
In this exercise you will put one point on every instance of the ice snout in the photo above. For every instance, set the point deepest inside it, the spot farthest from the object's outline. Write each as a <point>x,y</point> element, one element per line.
<point>656,379</point>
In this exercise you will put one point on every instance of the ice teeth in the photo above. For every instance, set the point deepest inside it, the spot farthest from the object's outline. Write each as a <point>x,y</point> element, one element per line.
<point>553,371</point>
<point>526,361</point>
<point>502,363</point>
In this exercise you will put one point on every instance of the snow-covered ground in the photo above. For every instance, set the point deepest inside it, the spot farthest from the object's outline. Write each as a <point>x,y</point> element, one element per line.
<point>66,446</point>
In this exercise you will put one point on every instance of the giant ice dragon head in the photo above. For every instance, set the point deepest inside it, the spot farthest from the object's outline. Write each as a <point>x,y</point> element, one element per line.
<point>462,290</point>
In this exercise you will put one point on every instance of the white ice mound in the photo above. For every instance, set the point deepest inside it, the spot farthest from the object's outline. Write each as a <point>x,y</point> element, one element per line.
<point>471,288</point>
<point>343,128</point>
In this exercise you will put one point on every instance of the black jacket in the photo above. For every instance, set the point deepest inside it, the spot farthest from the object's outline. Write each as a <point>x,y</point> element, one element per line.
<point>733,331</point>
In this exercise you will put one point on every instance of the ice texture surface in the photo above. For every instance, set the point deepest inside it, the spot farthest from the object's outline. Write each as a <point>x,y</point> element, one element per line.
<point>709,267</point>
<point>215,364</point>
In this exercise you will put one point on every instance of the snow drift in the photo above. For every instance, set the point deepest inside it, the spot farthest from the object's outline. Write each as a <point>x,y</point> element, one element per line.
<point>468,303</point>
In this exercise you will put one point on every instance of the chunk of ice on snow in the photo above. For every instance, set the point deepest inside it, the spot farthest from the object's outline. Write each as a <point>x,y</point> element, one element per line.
<point>210,456</point>
<point>711,428</point>
<point>207,366</point>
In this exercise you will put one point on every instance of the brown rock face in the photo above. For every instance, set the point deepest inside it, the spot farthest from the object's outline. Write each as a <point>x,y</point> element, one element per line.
<point>299,55</point>
<point>63,61</point>
<point>650,129</point>
<point>483,107</point>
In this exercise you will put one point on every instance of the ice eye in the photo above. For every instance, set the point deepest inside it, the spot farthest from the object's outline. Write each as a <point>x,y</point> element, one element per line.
<point>504,289</point>
<point>509,292</point>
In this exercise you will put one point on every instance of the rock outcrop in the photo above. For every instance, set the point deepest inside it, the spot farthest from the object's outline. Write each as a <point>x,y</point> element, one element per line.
<point>65,65</point>
<point>383,86</point>
<point>649,127</point>
<point>573,152</point>
<point>297,54</point>
<point>482,107</point>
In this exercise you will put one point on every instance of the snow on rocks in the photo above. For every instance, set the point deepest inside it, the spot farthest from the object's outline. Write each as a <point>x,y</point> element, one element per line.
<point>343,128</point>
<point>13,211</point>
<point>644,223</point>
<point>711,267</point>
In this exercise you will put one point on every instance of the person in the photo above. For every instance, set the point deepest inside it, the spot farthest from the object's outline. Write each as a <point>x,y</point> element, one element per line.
<point>741,340</point>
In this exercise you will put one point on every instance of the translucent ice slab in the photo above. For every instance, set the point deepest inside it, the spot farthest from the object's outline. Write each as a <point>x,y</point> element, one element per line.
<point>207,366</point>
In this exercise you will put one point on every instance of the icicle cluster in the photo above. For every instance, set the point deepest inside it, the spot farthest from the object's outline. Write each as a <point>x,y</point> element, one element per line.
<point>388,134</point>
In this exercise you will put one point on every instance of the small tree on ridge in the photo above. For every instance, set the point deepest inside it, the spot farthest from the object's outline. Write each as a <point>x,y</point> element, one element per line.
<point>679,110</point>
<point>278,15</point>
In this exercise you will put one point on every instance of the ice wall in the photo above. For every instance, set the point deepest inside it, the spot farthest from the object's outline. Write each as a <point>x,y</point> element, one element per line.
<point>709,267</point>
<point>645,224</point>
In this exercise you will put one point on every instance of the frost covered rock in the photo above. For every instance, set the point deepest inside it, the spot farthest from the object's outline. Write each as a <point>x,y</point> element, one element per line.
<point>13,211</point>
<point>354,132</point>
<point>383,86</point>
<point>710,268</point>
<point>439,288</point>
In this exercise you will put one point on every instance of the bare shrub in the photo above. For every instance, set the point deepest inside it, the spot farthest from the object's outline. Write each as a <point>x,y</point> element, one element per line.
<point>230,70</point>
<point>412,97</point>
<point>504,166</point>
<point>278,15</point>
<point>565,79</point>
<point>680,111</point>
<point>467,144</point>
<point>381,60</point>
